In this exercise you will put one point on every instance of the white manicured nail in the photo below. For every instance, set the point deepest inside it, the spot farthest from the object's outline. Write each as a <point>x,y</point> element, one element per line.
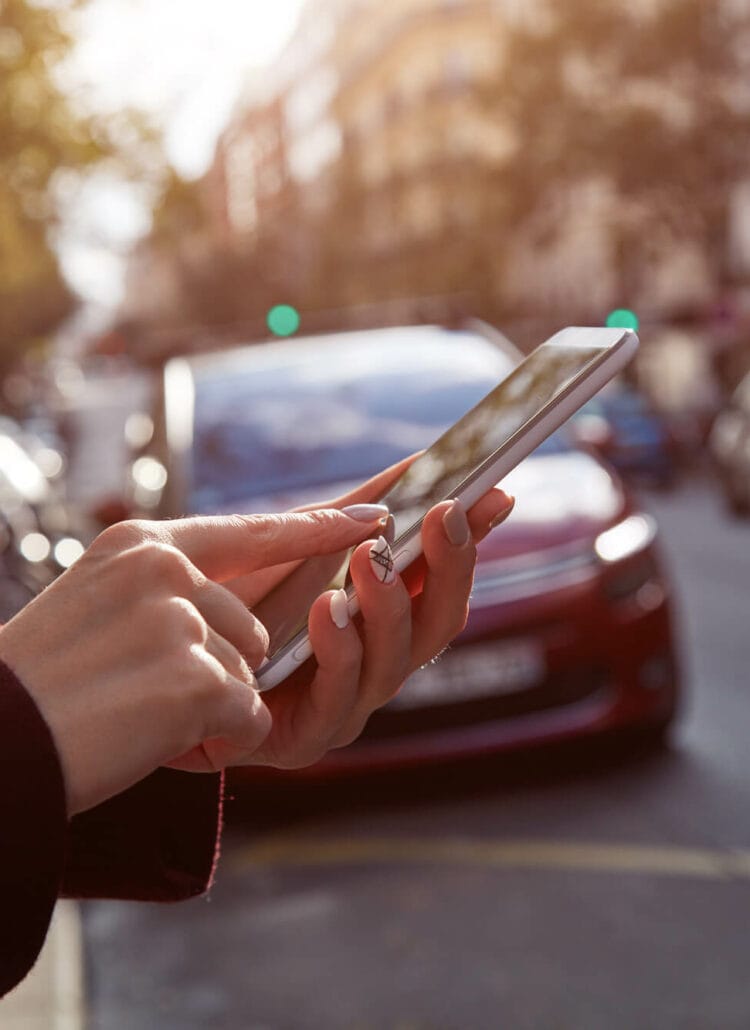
<point>366,512</point>
<point>339,608</point>
<point>381,561</point>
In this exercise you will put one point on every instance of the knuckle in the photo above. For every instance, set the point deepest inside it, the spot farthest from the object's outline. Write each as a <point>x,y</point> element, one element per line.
<point>262,530</point>
<point>319,519</point>
<point>205,686</point>
<point>122,535</point>
<point>255,629</point>
<point>180,621</point>
<point>196,699</point>
<point>161,563</point>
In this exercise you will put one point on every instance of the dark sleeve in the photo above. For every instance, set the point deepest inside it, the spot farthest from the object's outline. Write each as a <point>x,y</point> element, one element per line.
<point>33,827</point>
<point>156,841</point>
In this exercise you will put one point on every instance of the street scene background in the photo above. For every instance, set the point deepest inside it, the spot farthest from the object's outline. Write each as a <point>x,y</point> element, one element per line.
<point>173,187</point>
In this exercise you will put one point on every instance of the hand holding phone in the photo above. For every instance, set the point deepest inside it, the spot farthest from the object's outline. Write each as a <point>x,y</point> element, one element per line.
<point>465,462</point>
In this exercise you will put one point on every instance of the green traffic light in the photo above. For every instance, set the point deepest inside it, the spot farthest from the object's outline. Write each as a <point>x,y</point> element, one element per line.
<point>622,318</point>
<point>283,320</point>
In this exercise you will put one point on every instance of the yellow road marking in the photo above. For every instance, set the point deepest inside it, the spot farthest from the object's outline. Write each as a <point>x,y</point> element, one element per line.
<point>704,863</point>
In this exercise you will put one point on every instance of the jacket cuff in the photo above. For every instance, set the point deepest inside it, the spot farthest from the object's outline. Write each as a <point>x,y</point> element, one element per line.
<point>156,841</point>
<point>34,825</point>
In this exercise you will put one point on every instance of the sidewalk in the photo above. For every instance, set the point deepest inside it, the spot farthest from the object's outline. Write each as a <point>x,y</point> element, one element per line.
<point>52,995</point>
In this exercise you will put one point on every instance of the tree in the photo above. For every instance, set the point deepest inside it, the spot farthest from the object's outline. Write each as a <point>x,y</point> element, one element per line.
<point>41,134</point>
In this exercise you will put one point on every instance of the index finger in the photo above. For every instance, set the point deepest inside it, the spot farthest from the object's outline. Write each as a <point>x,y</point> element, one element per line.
<point>223,546</point>
<point>250,588</point>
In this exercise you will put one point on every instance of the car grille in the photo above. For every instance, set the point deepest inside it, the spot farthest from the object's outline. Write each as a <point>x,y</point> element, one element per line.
<point>557,690</point>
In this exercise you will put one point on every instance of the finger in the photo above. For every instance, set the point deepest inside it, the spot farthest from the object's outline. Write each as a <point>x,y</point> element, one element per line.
<point>308,717</point>
<point>250,588</point>
<point>385,608</point>
<point>441,609</point>
<point>228,657</point>
<point>240,724</point>
<point>489,512</point>
<point>230,545</point>
<point>229,617</point>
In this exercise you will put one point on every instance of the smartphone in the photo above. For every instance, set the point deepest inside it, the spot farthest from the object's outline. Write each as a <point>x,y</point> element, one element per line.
<point>471,457</point>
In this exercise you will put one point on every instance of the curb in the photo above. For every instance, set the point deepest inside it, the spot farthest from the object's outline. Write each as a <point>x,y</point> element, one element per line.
<point>52,995</point>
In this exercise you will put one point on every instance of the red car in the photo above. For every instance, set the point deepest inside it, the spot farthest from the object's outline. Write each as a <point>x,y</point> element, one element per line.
<point>569,632</point>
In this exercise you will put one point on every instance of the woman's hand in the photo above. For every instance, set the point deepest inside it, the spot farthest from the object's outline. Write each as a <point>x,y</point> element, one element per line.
<point>359,667</point>
<point>142,654</point>
<point>404,623</point>
<point>137,654</point>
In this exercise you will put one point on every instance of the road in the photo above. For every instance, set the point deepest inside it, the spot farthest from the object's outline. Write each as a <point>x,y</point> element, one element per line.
<point>609,892</point>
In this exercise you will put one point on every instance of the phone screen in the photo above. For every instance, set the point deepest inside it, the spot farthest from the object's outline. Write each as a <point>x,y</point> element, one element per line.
<point>437,474</point>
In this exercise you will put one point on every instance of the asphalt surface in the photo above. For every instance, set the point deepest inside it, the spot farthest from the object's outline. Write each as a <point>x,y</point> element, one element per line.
<point>605,890</point>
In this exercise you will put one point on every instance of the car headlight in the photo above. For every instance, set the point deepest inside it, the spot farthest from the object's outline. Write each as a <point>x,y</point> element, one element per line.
<point>631,571</point>
<point>633,534</point>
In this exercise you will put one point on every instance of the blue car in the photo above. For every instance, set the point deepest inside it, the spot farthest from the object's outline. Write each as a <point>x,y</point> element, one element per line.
<point>622,427</point>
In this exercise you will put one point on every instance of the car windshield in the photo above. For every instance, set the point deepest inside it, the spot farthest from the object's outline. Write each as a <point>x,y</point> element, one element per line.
<point>288,422</point>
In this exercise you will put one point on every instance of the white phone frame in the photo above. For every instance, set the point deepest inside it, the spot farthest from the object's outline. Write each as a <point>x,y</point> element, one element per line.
<point>620,346</point>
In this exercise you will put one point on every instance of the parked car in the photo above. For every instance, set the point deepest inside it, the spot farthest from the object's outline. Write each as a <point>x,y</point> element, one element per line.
<point>569,632</point>
<point>729,444</point>
<point>625,430</point>
<point>37,537</point>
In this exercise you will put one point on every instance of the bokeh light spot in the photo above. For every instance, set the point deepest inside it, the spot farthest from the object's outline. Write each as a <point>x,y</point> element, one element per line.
<point>283,320</point>
<point>622,318</point>
<point>35,547</point>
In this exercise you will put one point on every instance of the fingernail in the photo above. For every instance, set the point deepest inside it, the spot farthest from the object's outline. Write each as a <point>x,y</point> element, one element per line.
<point>456,524</point>
<point>502,515</point>
<point>339,608</point>
<point>366,512</point>
<point>381,561</point>
<point>389,530</point>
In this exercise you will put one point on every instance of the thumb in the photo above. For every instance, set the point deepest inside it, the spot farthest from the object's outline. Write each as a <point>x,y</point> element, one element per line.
<point>224,546</point>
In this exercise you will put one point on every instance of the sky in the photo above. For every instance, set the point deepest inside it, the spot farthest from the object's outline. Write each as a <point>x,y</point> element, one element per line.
<point>182,61</point>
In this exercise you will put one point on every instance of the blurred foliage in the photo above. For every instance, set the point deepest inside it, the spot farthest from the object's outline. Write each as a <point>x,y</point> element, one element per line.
<point>42,133</point>
<point>223,284</point>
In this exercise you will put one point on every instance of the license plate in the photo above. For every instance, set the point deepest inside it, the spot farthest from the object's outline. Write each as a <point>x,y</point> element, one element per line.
<point>474,671</point>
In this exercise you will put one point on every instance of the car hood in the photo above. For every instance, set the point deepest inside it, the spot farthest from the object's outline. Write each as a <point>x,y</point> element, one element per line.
<point>560,499</point>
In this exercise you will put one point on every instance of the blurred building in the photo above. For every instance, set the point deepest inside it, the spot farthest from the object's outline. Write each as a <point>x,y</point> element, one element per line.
<point>370,163</point>
<point>374,156</point>
<point>250,171</point>
<point>386,157</point>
